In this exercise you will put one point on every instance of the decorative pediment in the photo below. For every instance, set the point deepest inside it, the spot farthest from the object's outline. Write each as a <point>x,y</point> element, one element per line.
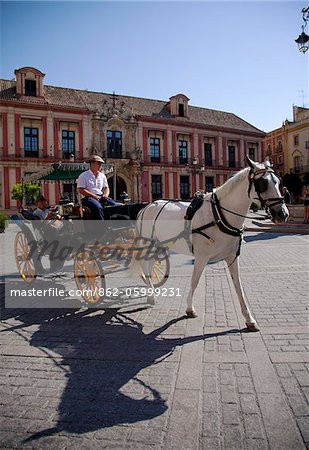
<point>296,152</point>
<point>115,123</point>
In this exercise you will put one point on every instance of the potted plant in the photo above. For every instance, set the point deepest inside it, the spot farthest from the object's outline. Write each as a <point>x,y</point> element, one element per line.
<point>4,219</point>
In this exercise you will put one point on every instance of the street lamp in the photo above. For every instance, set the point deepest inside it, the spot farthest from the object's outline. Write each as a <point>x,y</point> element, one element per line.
<point>303,39</point>
<point>195,168</point>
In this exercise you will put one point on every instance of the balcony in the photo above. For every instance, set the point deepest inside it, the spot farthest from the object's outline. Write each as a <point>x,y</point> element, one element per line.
<point>207,164</point>
<point>156,159</point>
<point>182,161</point>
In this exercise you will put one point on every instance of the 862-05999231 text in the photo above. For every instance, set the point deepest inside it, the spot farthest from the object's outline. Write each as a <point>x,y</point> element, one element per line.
<point>130,292</point>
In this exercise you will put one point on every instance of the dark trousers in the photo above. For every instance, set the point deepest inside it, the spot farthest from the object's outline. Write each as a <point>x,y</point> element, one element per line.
<point>95,206</point>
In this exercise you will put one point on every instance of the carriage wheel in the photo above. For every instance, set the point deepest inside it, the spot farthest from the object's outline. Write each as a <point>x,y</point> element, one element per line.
<point>89,277</point>
<point>25,265</point>
<point>160,271</point>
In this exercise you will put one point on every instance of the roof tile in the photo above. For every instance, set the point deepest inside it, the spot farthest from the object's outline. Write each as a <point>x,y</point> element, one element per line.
<point>102,104</point>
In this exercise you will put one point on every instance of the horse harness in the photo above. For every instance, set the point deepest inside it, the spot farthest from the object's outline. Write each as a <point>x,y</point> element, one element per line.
<point>260,185</point>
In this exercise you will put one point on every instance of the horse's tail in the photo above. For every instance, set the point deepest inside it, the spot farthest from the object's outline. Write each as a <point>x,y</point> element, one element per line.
<point>135,269</point>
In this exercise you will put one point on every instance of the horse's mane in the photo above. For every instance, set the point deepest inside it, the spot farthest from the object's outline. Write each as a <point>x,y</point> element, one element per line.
<point>225,188</point>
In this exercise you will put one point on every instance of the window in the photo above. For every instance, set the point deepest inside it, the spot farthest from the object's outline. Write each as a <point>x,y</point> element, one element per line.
<point>209,184</point>
<point>68,143</point>
<point>181,110</point>
<point>183,152</point>
<point>252,153</point>
<point>184,187</point>
<point>114,144</point>
<point>30,88</point>
<point>232,162</point>
<point>279,146</point>
<point>296,140</point>
<point>268,151</point>
<point>31,139</point>
<point>208,154</point>
<point>156,187</point>
<point>155,149</point>
<point>297,164</point>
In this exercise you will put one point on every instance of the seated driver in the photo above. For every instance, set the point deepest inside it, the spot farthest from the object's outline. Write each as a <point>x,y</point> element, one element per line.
<point>92,184</point>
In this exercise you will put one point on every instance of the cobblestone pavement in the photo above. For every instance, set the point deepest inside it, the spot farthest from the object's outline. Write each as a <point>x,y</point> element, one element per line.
<point>140,376</point>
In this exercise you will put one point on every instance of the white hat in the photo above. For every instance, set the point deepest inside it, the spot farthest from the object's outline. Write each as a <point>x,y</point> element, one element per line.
<point>96,158</point>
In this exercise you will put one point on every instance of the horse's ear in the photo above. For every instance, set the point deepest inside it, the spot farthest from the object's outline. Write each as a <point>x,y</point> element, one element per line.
<point>267,162</point>
<point>250,162</point>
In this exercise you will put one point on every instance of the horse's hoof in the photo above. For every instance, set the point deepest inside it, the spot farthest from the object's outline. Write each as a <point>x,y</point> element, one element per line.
<point>151,301</point>
<point>252,327</point>
<point>191,314</point>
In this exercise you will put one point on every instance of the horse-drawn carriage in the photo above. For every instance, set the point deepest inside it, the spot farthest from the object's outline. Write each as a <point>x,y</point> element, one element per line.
<point>96,248</point>
<point>213,234</point>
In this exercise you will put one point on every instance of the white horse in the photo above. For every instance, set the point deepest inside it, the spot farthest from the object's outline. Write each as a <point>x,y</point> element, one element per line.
<point>215,232</point>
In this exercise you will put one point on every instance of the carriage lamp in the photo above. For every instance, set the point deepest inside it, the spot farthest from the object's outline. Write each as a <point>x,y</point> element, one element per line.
<point>303,39</point>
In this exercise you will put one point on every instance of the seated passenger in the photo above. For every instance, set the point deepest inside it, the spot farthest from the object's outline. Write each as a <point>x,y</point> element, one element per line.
<point>42,212</point>
<point>92,184</point>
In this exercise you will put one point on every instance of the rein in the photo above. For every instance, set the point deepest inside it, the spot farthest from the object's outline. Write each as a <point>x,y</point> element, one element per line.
<point>259,217</point>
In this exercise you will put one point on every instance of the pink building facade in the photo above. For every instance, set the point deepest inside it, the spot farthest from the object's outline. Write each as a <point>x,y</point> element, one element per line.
<point>159,149</point>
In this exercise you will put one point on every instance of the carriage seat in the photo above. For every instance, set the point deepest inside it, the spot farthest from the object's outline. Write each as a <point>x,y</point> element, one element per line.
<point>86,213</point>
<point>28,215</point>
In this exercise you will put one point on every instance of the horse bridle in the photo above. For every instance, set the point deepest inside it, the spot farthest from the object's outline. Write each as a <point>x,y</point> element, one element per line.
<point>260,185</point>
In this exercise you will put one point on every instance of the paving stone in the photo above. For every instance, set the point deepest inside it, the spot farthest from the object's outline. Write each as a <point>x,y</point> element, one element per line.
<point>211,425</point>
<point>233,439</point>
<point>210,443</point>
<point>249,404</point>
<point>257,444</point>
<point>149,435</point>
<point>230,414</point>
<point>302,378</point>
<point>299,405</point>
<point>210,402</point>
<point>242,370</point>
<point>245,385</point>
<point>228,394</point>
<point>253,426</point>
<point>303,424</point>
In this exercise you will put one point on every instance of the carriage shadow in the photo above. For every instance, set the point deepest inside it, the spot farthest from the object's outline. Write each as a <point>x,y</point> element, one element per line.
<point>102,354</point>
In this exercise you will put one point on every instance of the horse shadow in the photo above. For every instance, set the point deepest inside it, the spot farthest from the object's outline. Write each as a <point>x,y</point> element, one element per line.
<point>264,236</point>
<point>102,353</point>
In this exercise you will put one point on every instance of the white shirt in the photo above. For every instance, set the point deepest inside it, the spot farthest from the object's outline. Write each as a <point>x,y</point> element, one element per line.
<point>94,184</point>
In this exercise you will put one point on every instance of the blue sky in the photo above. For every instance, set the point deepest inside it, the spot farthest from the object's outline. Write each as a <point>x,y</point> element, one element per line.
<point>232,56</point>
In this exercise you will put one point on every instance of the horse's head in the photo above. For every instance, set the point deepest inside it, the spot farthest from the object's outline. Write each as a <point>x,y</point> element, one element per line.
<point>265,183</point>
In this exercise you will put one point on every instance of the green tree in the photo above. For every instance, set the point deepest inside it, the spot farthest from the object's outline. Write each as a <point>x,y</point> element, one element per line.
<point>27,191</point>
<point>4,220</point>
